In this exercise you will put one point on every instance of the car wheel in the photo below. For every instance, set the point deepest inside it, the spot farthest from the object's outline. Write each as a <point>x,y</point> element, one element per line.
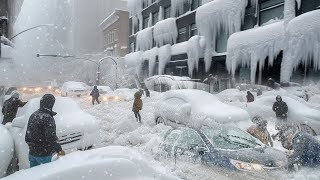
<point>160,120</point>
<point>307,129</point>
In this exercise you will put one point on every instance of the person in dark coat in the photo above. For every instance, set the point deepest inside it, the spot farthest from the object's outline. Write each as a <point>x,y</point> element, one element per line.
<point>10,108</point>
<point>250,97</point>
<point>95,95</point>
<point>213,83</point>
<point>137,105</point>
<point>41,133</point>
<point>281,110</point>
<point>306,150</point>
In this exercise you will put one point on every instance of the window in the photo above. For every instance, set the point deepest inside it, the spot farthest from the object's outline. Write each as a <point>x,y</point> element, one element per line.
<point>153,1</point>
<point>167,12</point>
<point>221,44</point>
<point>155,17</point>
<point>193,30</point>
<point>115,34</point>
<point>182,34</point>
<point>188,138</point>
<point>271,10</point>
<point>309,5</point>
<point>145,22</point>
<point>195,4</point>
<point>144,4</point>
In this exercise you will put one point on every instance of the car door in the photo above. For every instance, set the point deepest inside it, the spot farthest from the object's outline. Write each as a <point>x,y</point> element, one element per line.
<point>176,110</point>
<point>188,145</point>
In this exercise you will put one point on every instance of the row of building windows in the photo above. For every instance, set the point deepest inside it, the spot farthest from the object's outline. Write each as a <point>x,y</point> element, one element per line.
<point>112,36</point>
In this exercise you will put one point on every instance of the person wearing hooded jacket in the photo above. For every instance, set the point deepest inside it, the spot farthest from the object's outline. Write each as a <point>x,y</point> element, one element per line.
<point>281,110</point>
<point>306,150</point>
<point>250,97</point>
<point>137,105</point>
<point>10,108</point>
<point>259,130</point>
<point>41,133</point>
<point>95,95</point>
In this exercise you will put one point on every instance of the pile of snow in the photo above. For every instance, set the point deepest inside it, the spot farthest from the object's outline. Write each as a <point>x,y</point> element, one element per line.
<point>164,57</point>
<point>216,17</point>
<point>165,32</point>
<point>232,95</point>
<point>298,112</point>
<point>114,162</point>
<point>303,43</point>
<point>6,150</point>
<point>205,109</point>
<point>251,47</point>
<point>170,81</point>
<point>144,39</point>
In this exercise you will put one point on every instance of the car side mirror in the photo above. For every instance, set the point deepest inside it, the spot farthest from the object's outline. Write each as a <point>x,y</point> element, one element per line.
<point>202,150</point>
<point>198,149</point>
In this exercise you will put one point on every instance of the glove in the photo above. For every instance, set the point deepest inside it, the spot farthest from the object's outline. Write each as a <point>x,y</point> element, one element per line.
<point>61,153</point>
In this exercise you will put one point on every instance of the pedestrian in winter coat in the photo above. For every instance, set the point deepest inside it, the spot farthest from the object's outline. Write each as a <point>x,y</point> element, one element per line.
<point>10,108</point>
<point>259,131</point>
<point>41,133</point>
<point>95,95</point>
<point>137,105</point>
<point>250,97</point>
<point>281,110</point>
<point>306,150</point>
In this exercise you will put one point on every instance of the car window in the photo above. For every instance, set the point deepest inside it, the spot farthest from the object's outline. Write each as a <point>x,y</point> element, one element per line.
<point>190,137</point>
<point>229,138</point>
<point>173,137</point>
<point>175,101</point>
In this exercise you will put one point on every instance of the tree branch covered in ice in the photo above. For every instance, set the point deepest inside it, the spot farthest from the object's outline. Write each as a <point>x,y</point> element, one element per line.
<point>218,16</point>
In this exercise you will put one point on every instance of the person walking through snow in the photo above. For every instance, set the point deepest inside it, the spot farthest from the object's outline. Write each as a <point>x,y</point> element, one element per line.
<point>137,105</point>
<point>10,108</point>
<point>95,95</point>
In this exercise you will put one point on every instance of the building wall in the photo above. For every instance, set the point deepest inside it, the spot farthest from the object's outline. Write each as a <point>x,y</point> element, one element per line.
<point>116,34</point>
<point>4,14</point>
<point>255,15</point>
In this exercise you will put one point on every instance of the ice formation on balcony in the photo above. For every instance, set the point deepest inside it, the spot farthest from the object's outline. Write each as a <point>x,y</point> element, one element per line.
<point>303,34</point>
<point>217,16</point>
<point>250,48</point>
<point>144,39</point>
<point>194,51</point>
<point>165,32</point>
<point>151,56</point>
<point>177,6</point>
<point>164,57</point>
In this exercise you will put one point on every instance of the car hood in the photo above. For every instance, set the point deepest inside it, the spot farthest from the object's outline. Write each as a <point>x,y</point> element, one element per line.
<point>266,156</point>
<point>75,122</point>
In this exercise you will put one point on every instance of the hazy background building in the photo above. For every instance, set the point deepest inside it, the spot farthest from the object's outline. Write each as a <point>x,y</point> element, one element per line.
<point>115,31</point>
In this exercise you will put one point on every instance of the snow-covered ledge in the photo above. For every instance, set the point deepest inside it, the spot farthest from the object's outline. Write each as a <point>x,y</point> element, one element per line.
<point>219,16</point>
<point>250,47</point>
<point>303,44</point>
<point>144,39</point>
<point>165,32</point>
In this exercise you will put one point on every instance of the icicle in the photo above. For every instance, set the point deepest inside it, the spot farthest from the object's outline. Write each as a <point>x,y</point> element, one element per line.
<point>160,18</point>
<point>164,57</point>
<point>144,39</point>
<point>299,3</point>
<point>150,20</point>
<point>193,51</point>
<point>289,10</point>
<point>303,38</point>
<point>165,32</point>
<point>152,60</point>
<point>217,16</point>
<point>177,6</point>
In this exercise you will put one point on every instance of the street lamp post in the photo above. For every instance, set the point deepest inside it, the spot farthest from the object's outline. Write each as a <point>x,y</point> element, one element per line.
<point>98,63</point>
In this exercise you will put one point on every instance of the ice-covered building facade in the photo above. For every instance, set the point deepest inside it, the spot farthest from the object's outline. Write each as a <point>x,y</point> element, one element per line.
<point>247,41</point>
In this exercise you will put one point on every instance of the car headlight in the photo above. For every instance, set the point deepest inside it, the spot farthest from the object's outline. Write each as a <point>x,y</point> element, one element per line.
<point>246,166</point>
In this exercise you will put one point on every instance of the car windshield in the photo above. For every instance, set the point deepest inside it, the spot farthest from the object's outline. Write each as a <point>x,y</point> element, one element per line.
<point>229,138</point>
